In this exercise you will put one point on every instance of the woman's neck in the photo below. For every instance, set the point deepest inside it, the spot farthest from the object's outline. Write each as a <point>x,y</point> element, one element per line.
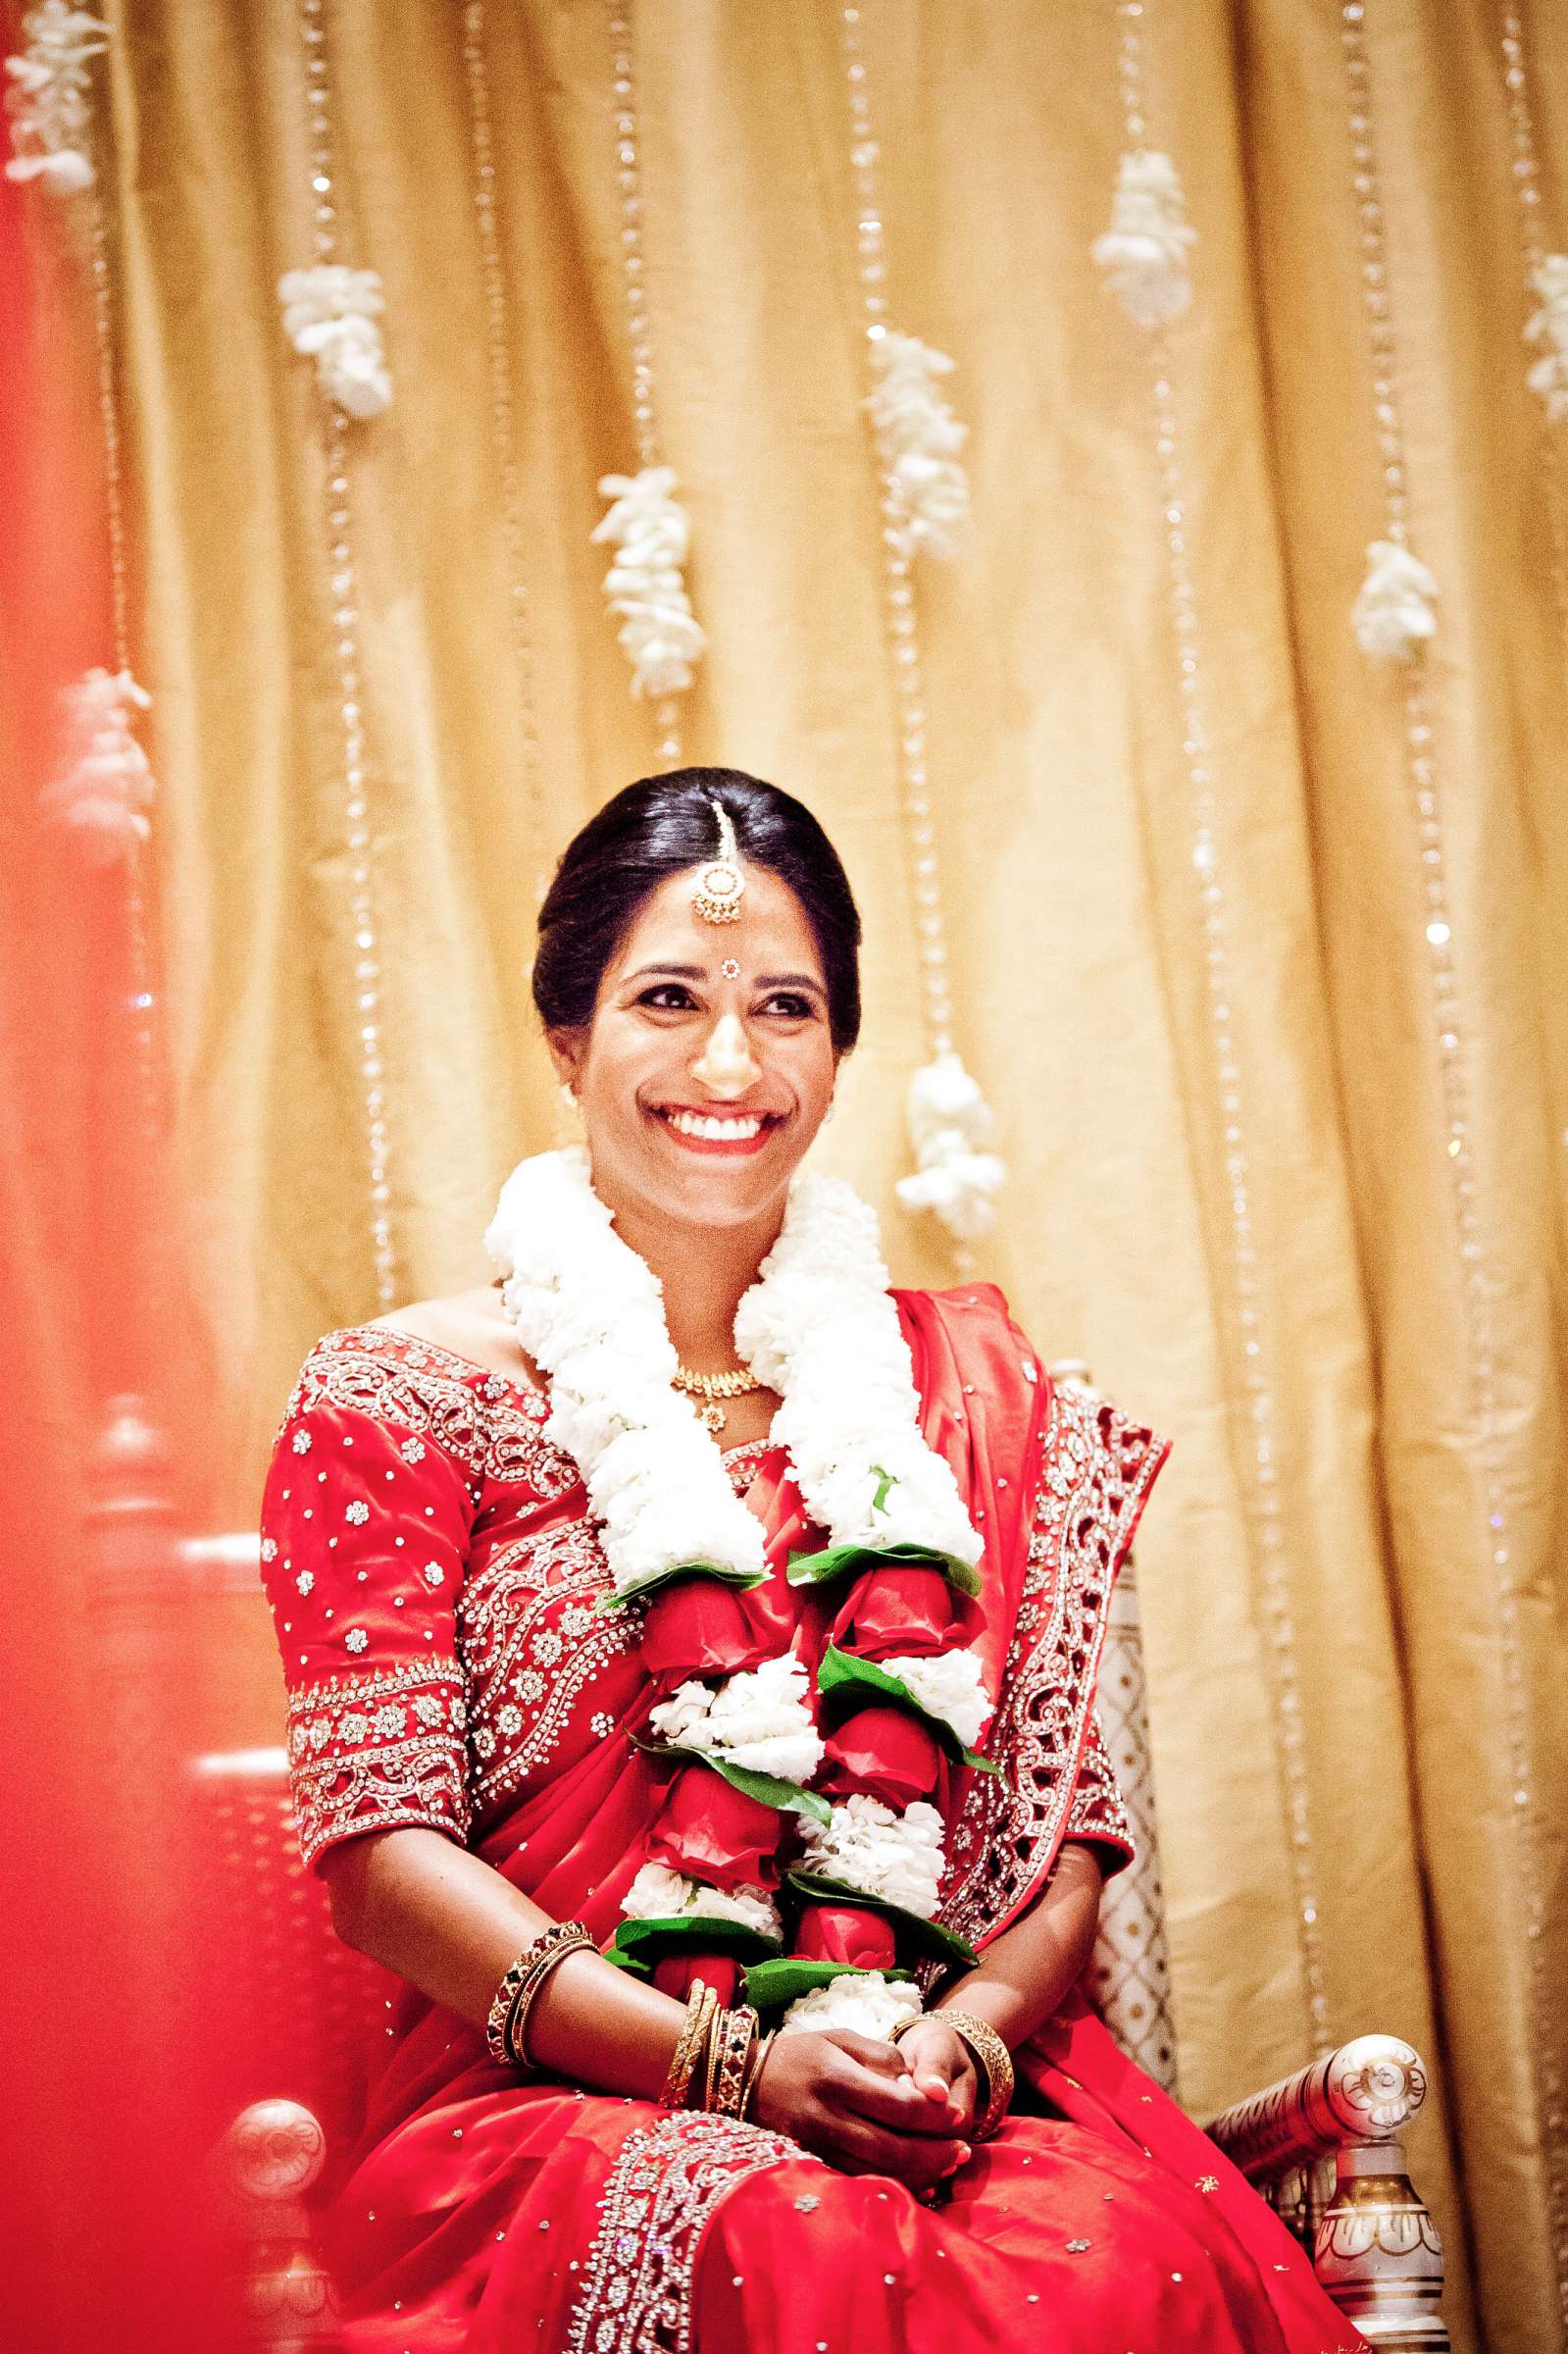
<point>705,1270</point>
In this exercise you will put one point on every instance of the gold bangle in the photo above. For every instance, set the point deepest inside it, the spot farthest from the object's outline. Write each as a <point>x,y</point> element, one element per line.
<point>701,2004</point>
<point>992,2059</point>
<point>521,1983</point>
<point>759,2056</point>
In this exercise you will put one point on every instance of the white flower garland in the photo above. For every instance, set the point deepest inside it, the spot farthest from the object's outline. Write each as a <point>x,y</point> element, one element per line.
<point>817,1326</point>
<point>660,635</point>
<point>50,100</point>
<point>760,1718</point>
<point>862,2001</point>
<point>660,1894</point>
<point>1143,254</point>
<point>330,315</point>
<point>867,1846</point>
<point>1393,616</point>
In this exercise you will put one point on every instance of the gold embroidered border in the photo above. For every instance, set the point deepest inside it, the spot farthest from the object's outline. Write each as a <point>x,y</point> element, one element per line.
<point>1097,1470</point>
<point>355,1766</point>
<point>493,1429</point>
<point>665,2184</point>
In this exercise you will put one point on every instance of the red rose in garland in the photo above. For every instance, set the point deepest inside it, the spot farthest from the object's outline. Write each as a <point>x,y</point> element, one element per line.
<point>678,1973</point>
<point>715,1833</point>
<point>903,1612</point>
<point>888,1754</point>
<point>702,1627</point>
<point>846,1934</point>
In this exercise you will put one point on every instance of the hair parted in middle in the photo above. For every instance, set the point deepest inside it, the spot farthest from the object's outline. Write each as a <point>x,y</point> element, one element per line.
<point>659,827</point>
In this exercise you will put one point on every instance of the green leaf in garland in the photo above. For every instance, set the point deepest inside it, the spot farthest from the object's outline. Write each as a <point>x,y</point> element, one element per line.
<point>641,1588</point>
<point>916,1936</point>
<point>843,1672</point>
<point>639,1944</point>
<point>786,1798</point>
<point>840,1560</point>
<point>774,1985</point>
<point>884,1481</point>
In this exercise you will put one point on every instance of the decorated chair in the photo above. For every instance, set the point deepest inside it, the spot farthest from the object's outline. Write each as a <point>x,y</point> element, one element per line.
<point>1324,2146</point>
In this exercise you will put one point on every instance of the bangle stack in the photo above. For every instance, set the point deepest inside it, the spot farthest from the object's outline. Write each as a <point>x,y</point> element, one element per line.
<point>991,2057</point>
<point>719,2053</point>
<point>506,2029</point>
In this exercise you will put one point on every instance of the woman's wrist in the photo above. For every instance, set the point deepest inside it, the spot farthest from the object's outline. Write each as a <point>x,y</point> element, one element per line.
<point>595,2025</point>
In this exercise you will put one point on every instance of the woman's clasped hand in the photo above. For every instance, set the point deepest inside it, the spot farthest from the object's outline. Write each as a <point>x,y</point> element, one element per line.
<point>869,2108</point>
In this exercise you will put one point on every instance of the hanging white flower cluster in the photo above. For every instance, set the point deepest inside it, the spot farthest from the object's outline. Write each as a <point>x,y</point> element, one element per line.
<point>49,100</point>
<point>1143,254</point>
<point>1393,616</point>
<point>1549,327</point>
<point>950,1124</point>
<point>820,1327</point>
<point>650,532</point>
<point>104,789</point>
<point>760,1718</point>
<point>918,440</point>
<point>863,2002</point>
<point>330,315</point>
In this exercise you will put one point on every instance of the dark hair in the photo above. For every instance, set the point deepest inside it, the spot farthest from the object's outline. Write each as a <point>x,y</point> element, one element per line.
<point>654,829</point>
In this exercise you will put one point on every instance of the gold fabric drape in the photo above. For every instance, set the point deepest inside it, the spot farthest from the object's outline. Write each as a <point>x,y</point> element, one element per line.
<point>1065,816</point>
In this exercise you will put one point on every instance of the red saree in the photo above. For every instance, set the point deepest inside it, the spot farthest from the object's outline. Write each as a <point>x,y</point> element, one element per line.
<point>432,1573</point>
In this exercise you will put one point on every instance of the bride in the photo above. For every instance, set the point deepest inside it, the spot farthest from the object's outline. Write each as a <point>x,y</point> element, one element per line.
<point>691,1646</point>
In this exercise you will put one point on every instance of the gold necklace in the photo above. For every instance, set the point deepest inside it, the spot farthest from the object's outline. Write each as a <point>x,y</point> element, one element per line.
<point>711,1387</point>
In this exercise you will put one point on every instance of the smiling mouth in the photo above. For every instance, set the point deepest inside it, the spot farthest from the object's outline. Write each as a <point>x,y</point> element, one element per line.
<point>709,1131</point>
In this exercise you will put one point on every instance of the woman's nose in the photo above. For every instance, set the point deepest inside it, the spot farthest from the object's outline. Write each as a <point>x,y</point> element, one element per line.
<point>727,1065</point>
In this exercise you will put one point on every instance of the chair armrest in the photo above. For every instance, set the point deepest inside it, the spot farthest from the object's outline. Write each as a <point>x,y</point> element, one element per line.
<point>1367,2091</point>
<point>272,2155</point>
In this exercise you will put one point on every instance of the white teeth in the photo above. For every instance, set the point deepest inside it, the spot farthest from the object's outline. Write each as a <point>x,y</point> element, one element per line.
<point>714,1131</point>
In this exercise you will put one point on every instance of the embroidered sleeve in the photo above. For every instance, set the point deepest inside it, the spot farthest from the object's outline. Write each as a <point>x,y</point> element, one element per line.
<point>364,1532</point>
<point>1097,1813</point>
<point>1096,1473</point>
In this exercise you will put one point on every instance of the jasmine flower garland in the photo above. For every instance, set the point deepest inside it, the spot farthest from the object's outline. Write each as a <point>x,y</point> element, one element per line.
<point>819,1327</point>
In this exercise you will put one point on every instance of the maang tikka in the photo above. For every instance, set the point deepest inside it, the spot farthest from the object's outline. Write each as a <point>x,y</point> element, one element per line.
<point>721,885</point>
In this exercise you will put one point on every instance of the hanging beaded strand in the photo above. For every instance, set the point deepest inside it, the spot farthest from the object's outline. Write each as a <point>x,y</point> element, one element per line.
<point>503,426</point>
<point>958,1111</point>
<point>667,717</point>
<point>1254,1344</point>
<point>343,583</point>
<point>1477,1278</point>
<point>1546,285</point>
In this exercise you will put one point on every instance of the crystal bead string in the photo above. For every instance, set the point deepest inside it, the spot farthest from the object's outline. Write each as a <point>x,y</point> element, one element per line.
<point>1254,1343</point>
<point>343,583</point>
<point>1525,173</point>
<point>503,423</point>
<point>139,962</point>
<point>666,720</point>
<point>900,612</point>
<point>1476,1277</point>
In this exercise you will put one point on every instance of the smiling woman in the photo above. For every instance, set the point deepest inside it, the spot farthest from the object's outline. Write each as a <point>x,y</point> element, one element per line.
<point>569,1673</point>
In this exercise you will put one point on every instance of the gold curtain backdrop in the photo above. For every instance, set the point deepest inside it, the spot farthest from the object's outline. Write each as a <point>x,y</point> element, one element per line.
<point>1423,1672</point>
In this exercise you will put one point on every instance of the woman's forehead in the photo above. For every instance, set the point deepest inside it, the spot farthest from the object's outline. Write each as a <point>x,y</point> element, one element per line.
<point>772,929</point>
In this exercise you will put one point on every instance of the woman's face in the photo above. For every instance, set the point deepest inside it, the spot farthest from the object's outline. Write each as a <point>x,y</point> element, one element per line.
<point>709,1064</point>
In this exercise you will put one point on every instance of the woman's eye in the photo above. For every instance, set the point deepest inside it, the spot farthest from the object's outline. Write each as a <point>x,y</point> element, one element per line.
<point>666,996</point>
<point>791,1005</point>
